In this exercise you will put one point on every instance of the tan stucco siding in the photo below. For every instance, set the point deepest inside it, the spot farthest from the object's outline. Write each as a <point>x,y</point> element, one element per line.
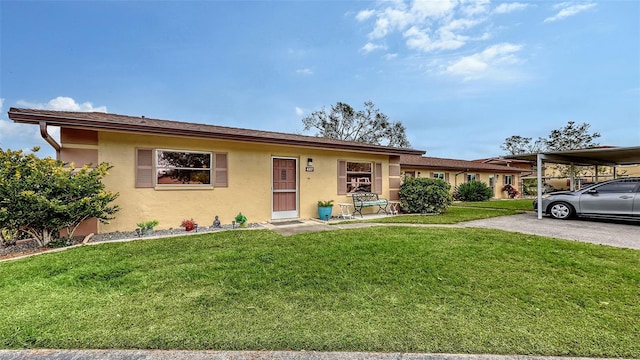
<point>456,177</point>
<point>249,181</point>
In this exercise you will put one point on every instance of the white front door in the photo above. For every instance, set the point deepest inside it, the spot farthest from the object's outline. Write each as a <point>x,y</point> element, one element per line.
<point>284,185</point>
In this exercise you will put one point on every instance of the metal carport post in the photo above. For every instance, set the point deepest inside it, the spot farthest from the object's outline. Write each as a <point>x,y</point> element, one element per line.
<point>605,156</point>
<point>539,171</point>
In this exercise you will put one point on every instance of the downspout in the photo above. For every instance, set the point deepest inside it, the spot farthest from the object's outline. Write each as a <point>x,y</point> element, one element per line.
<point>455,178</point>
<point>47,137</point>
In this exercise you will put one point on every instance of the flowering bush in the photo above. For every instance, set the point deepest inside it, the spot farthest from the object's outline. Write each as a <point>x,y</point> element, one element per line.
<point>188,225</point>
<point>513,192</point>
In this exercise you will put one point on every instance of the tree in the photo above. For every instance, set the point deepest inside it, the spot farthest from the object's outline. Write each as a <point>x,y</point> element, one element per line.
<point>40,197</point>
<point>367,126</point>
<point>516,145</point>
<point>570,137</point>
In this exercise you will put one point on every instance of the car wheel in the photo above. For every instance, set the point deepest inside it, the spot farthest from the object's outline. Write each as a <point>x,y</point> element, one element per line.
<point>561,210</point>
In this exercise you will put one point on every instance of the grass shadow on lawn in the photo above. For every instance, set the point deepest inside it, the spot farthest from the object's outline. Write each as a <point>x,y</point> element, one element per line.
<point>389,289</point>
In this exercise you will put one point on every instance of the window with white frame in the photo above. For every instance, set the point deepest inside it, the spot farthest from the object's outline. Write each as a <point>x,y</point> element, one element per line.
<point>471,177</point>
<point>508,179</point>
<point>177,167</point>
<point>439,175</point>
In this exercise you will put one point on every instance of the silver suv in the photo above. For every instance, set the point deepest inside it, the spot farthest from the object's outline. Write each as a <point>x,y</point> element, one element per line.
<point>619,198</point>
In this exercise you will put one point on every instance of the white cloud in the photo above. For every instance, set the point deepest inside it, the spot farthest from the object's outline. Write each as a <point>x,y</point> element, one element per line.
<point>364,15</point>
<point>506,8</point>
<point>477,7</point>
<point>63,103</point>
<point>25,137</point>
<point>433,9</point>
<point>427,26</point>
<point>12,131</point>
<point>299,111</point>
<point>442,29</point>
<point>486,63</point>
<point>369,47</point>
<point>390,56</point>
<point>568,9</point>
<point>419,39</point>
<point>305,71</point>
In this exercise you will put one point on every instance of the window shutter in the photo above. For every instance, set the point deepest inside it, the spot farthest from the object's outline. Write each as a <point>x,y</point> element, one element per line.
<point>433,175</point>
<point>378,181</point>
<point>144,168</point>
<point>220,170</point>
<point>477,177</point>
<point>342,177</point>
<point>446,177</point>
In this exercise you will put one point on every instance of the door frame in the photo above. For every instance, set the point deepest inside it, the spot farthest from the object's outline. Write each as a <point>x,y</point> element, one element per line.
<point>292,214</point>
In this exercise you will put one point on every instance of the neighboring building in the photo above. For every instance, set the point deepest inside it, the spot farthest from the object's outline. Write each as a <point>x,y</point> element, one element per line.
<point>456,172</point>
<point>171,171</point>
<point>555,175</point>
<point>516,163</point>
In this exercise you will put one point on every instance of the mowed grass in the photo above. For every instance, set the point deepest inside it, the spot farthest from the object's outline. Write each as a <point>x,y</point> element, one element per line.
<point>388,289</point>
<point>453,215</point>
<point>509,204</point>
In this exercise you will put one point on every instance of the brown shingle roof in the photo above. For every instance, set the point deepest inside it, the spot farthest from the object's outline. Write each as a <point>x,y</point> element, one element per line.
<point>417,161</point>
<point>113,122</point>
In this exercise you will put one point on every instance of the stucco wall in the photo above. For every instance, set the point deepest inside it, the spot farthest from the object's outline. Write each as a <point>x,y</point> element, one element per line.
<point>249,181</point>
<point>461,177</point>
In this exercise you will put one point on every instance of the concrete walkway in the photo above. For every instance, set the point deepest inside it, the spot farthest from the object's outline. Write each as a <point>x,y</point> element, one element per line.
<point>246,355</point>
<point>624,235</point>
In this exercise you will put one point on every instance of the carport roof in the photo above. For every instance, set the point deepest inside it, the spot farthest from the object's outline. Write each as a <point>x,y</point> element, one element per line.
<point>609,156</point>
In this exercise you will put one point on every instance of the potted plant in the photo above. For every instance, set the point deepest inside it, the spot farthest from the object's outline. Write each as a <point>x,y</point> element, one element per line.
<point>325,208</point>
<point>146,227</point>
<point>188,225</point>
<point>241,220</point>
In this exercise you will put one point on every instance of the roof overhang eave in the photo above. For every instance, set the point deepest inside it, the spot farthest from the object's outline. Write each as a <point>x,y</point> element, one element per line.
<point>86,124</point>
<point>588,157</point>
<point>462,168</point>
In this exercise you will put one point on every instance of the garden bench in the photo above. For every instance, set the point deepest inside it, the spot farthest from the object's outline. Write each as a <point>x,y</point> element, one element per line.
<point>362,200</point>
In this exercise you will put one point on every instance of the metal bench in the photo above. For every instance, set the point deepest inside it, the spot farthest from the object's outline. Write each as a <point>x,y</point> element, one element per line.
<point>363,200</point>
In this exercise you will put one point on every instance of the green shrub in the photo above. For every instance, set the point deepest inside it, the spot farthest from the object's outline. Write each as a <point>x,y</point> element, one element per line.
<point>424,195</point>
<point>148,225</point>
<point>473,191</point>
<point>241,219</point>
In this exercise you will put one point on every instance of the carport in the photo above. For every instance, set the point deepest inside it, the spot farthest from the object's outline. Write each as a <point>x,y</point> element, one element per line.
<point>614,157</point>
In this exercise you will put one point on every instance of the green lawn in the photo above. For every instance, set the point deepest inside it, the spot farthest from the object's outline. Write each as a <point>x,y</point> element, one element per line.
<point>453,215</point>
<point>511,204</point>
<point>389,289</point>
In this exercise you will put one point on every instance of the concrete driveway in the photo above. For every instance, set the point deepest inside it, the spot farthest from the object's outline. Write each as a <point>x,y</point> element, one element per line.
<point>618,234</point>
<point>612,233</point>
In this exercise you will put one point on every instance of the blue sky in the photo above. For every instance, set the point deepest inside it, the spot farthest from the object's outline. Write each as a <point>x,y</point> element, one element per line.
<point>461,75</point>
